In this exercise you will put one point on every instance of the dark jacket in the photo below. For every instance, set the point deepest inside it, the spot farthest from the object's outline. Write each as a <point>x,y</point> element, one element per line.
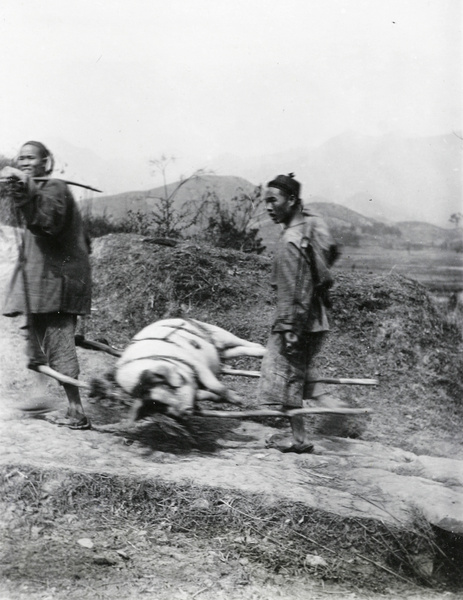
<point>301,276</point>
<point>56,276</point>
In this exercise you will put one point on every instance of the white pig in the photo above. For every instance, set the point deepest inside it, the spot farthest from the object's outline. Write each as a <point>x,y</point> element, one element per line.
<point>172,363</point>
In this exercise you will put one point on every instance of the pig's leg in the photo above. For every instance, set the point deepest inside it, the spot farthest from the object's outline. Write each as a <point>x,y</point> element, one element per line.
<point>236,341</point>
<point>211,383</point>
<point>231,397</point>
<point>206,395</point>
<point>255,350</point>
<point>224,339</point>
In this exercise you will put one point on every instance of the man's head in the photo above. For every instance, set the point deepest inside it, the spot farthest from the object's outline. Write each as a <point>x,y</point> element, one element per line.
<point>35,159</point>
<point>282,198</point>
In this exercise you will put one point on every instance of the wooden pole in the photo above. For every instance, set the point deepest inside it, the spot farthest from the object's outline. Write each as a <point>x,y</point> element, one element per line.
<point>334,380</point>
<point>84,343</point>
<point>82,185</point>
<point>242,414</point>
<point>46,370</point>
<point>227,414</point>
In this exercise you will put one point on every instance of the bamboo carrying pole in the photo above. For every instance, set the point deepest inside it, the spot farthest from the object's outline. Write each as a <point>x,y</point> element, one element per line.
<point>46,370</point>
<point>339,381</point>
<point>227,414</point>
<point>82,185</point>
<point>265,412</point>
<point>84,343</point>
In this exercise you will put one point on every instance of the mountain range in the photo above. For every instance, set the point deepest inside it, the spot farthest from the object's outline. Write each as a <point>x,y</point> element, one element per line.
<point>389,177</point>
<point>193,190</point>
<point>340,218</point>
<point>386,177</point>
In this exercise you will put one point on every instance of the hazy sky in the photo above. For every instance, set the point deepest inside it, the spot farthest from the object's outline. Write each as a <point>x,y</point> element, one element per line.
<point>206,77</point>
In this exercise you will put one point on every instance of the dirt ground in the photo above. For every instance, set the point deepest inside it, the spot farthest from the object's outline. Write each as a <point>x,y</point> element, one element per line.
<point>91,558</point>
<point>42,552</point>
<point>48,553</point>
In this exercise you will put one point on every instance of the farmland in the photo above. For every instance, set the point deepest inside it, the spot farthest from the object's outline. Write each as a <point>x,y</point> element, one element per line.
<point>441,271</point>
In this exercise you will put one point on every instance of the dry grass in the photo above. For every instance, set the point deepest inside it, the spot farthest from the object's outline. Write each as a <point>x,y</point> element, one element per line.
<point>136,283</point>
<point>364,553</point>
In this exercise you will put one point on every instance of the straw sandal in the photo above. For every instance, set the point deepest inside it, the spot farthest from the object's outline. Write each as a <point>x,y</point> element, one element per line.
<point>299,448</point>
<point>78,424</point>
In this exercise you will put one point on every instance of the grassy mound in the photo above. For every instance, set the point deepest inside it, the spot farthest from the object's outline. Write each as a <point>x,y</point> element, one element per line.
<point>395,329</point>
<point>137,282</point>
<point>284,538</point>
<point>384,325</point>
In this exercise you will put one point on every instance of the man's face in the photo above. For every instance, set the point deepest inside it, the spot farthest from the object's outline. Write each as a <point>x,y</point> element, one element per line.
<point>279,206</point>
<point>31,161</point>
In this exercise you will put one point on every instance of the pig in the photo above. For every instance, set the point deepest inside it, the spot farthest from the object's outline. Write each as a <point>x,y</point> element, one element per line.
<point>172,363</point>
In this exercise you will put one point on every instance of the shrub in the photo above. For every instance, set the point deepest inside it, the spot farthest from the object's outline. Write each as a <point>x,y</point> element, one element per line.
<point>229,225</point>
<point>7,213</point>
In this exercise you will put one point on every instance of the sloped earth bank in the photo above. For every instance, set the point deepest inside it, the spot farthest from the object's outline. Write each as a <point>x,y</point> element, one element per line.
<point>213,513</point>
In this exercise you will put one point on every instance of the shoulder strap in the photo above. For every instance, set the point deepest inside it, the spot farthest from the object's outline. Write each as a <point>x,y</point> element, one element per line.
<point>317,232</point>
<point>317,243</point>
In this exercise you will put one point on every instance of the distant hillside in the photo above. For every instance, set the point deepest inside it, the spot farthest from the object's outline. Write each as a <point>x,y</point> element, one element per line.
<point>346,223</point>
<point>388,177</point>
<point>117,206</point>
<point>337,215</point>
<point>425,233</point>
<point>376,231</point>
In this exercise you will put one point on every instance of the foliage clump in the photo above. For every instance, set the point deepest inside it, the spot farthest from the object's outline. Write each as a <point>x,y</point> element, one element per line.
<point>395,328</point>
<point>203,215</point>
<point>228,225</point>
<point>137,282</point>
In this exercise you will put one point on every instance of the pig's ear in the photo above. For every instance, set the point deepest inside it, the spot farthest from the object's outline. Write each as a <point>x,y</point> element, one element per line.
<point>174,378</point>
<point>151,377</point>
<point>166,373</point>
<point>161,373</point>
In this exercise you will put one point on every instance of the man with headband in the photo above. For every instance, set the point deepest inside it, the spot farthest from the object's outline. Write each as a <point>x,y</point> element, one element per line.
<point>301,279</point>
<point>51,283</point>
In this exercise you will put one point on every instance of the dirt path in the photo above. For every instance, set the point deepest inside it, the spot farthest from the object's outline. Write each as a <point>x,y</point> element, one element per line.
<point>131,560</point>
<point>346,477</point>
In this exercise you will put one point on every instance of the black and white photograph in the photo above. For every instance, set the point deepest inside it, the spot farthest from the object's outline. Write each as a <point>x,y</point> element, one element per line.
<point>231,289</point>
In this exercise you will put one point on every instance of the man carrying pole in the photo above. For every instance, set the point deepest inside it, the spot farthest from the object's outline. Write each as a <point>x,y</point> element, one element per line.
<point>301,278</point>
<point>51,283</point>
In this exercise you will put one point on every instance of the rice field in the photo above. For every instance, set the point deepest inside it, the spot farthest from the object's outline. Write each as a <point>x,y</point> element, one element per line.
<point>439,270</point>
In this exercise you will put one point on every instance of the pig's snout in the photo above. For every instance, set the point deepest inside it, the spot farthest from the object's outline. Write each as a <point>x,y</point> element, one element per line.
<point>168,403</point>
<point>158,395</point>
<point>147,408</point>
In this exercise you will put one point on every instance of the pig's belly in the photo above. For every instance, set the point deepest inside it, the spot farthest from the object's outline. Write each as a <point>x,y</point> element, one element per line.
<point>139,353</point>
